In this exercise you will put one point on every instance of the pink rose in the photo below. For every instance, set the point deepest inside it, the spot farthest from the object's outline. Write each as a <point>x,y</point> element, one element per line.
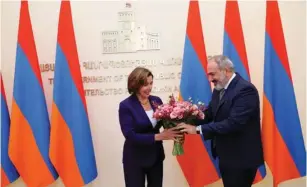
<point>201,115</point>
<point>180,116</point>
<point>194,113</point>
<point>173,115</point>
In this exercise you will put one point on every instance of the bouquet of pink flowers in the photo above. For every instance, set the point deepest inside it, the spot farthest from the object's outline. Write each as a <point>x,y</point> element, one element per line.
<point>175,112</point>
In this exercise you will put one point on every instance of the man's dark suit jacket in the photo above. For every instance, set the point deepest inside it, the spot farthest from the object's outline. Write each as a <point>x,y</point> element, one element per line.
<point>140,146</point>
<point>234,123</point>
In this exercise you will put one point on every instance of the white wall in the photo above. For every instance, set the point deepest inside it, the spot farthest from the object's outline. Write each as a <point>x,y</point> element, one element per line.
<point>93,17</point>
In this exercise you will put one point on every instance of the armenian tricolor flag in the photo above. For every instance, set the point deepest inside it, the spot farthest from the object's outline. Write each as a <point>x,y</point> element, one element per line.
<point>234,49</point>
<point>71,149</point>
<point>284,148</point>
<point>196,163</point>
<point>8,171</point>
<point>30,127</point>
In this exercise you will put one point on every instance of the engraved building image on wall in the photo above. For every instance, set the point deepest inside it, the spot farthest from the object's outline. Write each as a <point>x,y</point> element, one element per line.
<point>129,37</point>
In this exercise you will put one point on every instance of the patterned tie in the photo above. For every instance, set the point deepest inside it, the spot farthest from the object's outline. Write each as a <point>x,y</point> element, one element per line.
<point>222,92</point>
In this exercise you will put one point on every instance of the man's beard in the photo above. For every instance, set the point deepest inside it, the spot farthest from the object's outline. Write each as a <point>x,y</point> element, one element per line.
<point>222,83</point>
<point>218,87</point>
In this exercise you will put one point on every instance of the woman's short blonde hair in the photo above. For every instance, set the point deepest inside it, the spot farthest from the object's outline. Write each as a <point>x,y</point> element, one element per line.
<point>137,79</point>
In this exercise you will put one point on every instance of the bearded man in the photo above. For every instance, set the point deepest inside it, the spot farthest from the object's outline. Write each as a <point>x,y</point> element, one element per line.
<point>232,121</point>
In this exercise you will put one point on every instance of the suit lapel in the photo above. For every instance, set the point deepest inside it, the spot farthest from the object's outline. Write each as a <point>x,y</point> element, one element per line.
<point>221,102</point>
<point>215,101</point>
<point>140,110</point>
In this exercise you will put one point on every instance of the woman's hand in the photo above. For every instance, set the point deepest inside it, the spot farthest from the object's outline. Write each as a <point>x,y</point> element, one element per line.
<point>169,134</point>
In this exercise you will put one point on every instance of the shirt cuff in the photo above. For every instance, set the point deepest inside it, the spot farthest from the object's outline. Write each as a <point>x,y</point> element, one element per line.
<point>198,128</point>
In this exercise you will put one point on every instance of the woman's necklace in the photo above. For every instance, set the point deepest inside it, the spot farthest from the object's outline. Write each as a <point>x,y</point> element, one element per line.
<point>144,103</point>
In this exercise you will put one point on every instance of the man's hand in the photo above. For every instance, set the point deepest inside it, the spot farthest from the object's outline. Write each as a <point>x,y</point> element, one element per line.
<point>190,129</point>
